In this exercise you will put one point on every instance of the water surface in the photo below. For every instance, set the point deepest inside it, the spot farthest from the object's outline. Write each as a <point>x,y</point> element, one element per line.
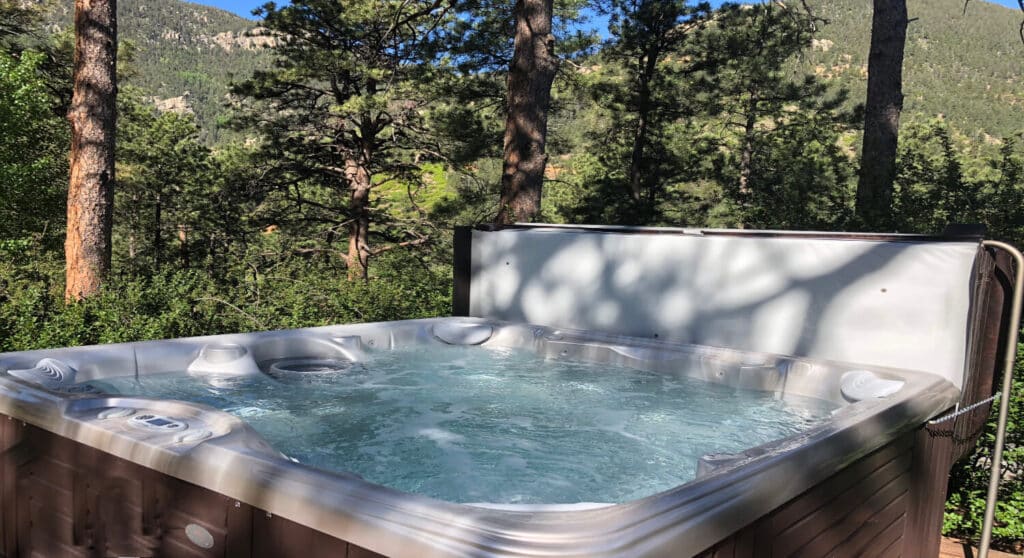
<point>471,424</point>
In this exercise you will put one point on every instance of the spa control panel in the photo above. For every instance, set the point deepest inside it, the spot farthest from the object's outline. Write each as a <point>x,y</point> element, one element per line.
<point>159,423</point>
<point>152,427</point>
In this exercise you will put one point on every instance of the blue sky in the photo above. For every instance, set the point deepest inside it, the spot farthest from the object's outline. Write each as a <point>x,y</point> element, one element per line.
<point>244,7</point>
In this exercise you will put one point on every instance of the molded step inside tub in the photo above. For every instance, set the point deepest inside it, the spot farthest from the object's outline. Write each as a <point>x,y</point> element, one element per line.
<point>462,333</point>
<point>857,385</point>
<point>49,373</point>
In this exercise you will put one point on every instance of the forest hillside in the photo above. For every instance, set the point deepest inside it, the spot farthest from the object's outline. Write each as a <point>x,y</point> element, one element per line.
<point>183,55</point>
<point>963,66</point>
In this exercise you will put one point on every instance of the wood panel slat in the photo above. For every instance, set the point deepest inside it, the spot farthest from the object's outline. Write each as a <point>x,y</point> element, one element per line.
<point>846,525</point>
<point>823,494</point>
<point>815,527</point>
<point>873,525</point>
<point>846,515</point>
<point>886,540</point>
<point>275,536</point>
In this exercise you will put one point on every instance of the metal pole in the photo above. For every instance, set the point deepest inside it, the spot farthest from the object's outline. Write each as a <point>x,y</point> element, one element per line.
<point>1004,401</point>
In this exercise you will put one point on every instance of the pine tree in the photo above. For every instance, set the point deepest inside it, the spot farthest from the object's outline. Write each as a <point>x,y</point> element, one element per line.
<point>346,109</point>
<point>165,185</point>
<point>93,117</point>
<point>647,39</point>
<point>783,167</point>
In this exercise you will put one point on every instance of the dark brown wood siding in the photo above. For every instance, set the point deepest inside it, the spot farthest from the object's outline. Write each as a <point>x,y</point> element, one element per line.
<point>59,498</point>
<point>859,511</point>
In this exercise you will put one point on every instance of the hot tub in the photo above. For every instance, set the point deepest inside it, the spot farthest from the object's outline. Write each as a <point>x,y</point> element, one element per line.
<point>71,393</point>
<point>94,465</point>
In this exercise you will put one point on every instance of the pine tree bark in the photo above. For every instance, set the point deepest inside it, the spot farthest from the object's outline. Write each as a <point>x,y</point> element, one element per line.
<point>158,230</point>
<point>882,113</point>
<point>636,158</point>
<point>183,255</point>
<point>531,74</point>
<point>747,152</point>
<point>93,116</point>
<point>648,65</point>
<point>359,220</point>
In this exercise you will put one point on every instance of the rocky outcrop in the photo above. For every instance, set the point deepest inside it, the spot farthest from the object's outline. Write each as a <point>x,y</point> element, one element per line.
<point>252,40</point>
<point>178,105</point>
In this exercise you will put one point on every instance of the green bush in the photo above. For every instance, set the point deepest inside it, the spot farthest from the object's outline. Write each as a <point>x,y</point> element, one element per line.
<point>965,506</point>
<point>188,303</point>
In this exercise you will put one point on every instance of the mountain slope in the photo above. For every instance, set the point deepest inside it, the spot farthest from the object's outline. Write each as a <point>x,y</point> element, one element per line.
<point>184,54</point>
<point>967,68</point>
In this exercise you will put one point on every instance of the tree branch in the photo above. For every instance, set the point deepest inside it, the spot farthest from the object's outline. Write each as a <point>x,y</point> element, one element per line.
<point>417,242</point>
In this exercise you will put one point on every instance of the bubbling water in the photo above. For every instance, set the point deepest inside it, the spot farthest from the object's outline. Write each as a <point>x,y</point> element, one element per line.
<point>474,424</point>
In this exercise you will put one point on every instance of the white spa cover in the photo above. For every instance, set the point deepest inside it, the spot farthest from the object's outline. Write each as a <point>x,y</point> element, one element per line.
<point>902,304</point>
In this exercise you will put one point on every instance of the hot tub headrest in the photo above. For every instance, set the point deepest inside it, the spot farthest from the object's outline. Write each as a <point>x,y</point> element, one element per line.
<point>454,333</point>
<point>902,302</point>
<point>49,373</point>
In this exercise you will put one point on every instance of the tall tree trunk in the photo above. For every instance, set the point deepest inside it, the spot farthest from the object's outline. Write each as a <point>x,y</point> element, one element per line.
<point>747,158</point>
<point>183,246</point>
<point>747,152</point>
<point>133,230</point>
<point>158,230</point>
<point>648,64</point>
<point>882,113</point>
<point>93,116</point>
<point>636,182</point>
<point>529,94</point>
<point>359,224</point>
